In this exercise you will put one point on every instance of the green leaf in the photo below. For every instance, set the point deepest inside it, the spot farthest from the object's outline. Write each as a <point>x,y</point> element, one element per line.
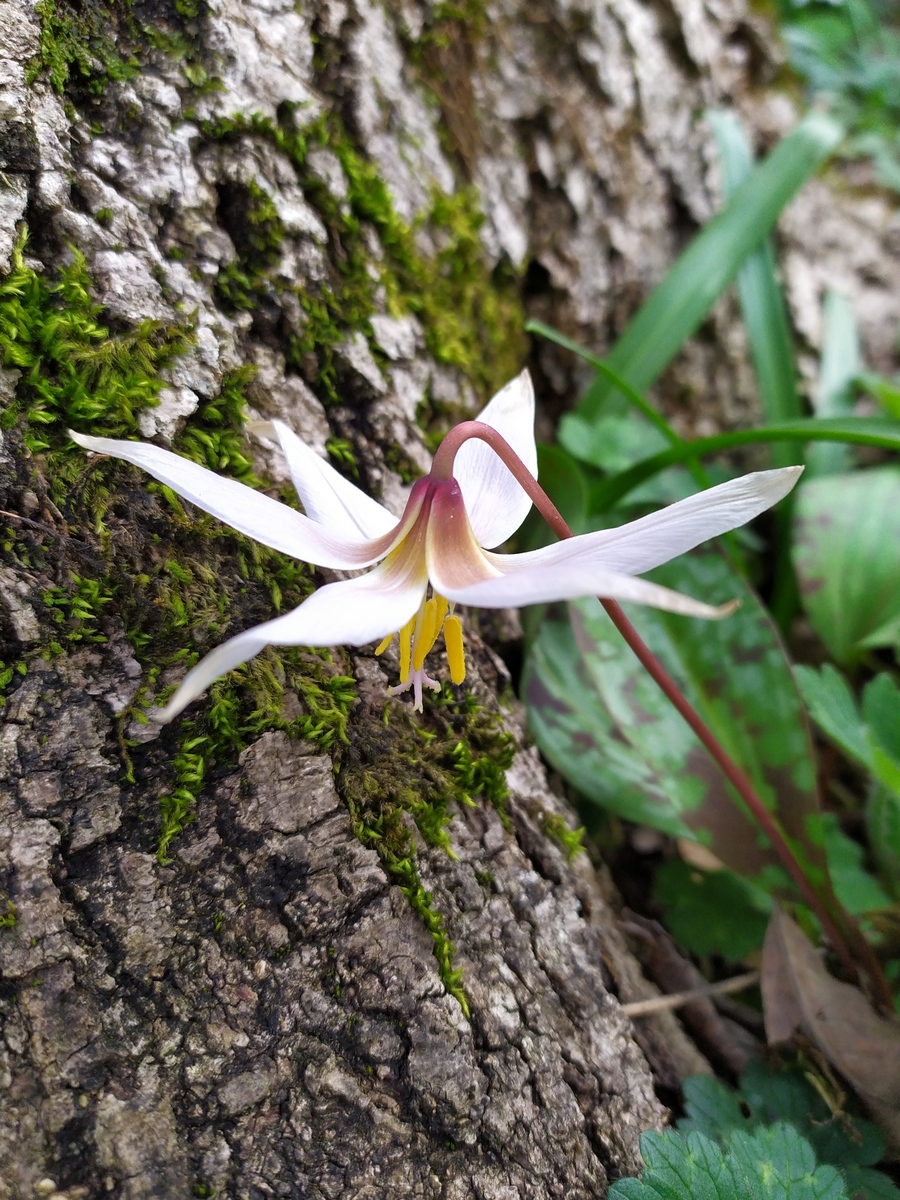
<point>712,912</point>
<point>881,712</point>
<point>833,707</point>
<point>883,827</point>
<point>582,443</point>
<point>702,272</point>
<point>766,1096</point>
<point>778,1163</point>
<point>872,739</point>
<point>838,369</point>
<point>845,554</point>
<point>855,887</point>
<point>604,724</point>
<point>885,391</point>
<point>711,1108</point>
<point>762,302</point>
<point>770,1164</point>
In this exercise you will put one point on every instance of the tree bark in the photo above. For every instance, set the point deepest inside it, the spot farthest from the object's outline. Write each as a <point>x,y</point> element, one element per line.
<point>266,1003</point>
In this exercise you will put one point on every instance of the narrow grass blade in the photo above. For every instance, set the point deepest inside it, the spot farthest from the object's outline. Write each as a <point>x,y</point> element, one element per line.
<point>762,301</point>
<point>712,260</point>
<point>855,431</point>
<point>839,367</point>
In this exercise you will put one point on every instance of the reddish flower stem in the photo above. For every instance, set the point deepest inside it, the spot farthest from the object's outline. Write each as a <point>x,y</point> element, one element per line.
<point>442,469</point>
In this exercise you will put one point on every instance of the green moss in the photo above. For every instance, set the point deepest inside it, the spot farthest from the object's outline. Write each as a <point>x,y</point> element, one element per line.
<point>80,608</point>
<point>178,583</point>
<point>80,39</point>
<point>472,315</point>
<point>569,840</point>
<point>417,769</point>
<point>75,371</point>
<point>258,233</point>
<point>9,917</point>
<point>8,672</point>
<point>181,585</point>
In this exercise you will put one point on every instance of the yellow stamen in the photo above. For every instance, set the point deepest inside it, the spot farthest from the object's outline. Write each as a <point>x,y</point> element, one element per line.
<point>383,644</point>
<point>442,606</point>
<point>406,648</point>
<point>456,655</point>
<point>425,634</point>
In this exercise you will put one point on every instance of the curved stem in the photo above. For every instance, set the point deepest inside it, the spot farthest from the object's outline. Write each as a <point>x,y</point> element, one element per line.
<point>442,469</point>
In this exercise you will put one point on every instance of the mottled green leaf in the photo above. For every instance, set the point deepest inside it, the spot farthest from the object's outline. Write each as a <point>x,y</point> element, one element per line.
<point>845,554</point>
<point>604,724</point>
<point>712,912</point>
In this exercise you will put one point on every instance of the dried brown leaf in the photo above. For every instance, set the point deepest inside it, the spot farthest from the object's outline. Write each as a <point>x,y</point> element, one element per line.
<point>800,995</point>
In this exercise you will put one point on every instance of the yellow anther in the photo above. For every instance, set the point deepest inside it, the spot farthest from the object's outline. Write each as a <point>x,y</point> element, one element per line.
<point>442,606</point>
<point>383,644</point>
<point>406,649</point>
<point>426,634</point>
<point>456,655</point>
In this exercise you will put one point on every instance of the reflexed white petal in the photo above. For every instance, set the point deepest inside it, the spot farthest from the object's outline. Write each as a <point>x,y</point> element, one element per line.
<point>537,585</point>
<point>352,612</point>
<point>644,544</point>
<point>496,503</point>
<point>243,508</point>
<point>326,495</point>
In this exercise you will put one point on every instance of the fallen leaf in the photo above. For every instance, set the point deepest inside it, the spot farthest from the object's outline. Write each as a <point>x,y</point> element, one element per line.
<point>800,995</point>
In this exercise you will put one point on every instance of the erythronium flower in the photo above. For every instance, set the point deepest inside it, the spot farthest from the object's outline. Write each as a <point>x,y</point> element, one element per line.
<point>470,500</point>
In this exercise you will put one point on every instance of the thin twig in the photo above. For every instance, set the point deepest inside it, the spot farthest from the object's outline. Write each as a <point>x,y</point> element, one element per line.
<point>643,1008</point>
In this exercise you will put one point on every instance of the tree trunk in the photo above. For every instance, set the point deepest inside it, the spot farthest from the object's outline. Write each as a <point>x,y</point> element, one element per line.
<point>303,942</point>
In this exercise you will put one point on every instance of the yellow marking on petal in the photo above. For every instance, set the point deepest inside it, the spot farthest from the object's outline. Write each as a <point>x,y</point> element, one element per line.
<point>406,648</point>
<point>383,644</point>
<point>426,634</point>
<point>456,655</point>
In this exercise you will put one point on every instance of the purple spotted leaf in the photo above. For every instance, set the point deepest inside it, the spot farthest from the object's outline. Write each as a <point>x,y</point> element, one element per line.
<point>604,724</point>
<point>845,554</point>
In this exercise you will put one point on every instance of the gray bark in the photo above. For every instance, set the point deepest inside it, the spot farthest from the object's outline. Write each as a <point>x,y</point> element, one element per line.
<point>263,1014</point>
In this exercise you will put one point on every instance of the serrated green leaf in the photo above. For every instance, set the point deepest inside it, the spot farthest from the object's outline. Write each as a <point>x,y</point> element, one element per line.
<point>679,304</point>
<point>767,1095</point>
<point>865,1184</point>
<point>604,724</point>
<point>855,887</point>
<point>833,707</point>
<point>883,828</point>
<point>712,912</point>
<point>845,554</point>
<point>712,1108</point>
<point>782,1164</point>
<point>773,1163</point>
<point>881,712</point>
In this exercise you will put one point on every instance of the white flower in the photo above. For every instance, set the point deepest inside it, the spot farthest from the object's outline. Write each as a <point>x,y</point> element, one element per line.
<point>437,544</point>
